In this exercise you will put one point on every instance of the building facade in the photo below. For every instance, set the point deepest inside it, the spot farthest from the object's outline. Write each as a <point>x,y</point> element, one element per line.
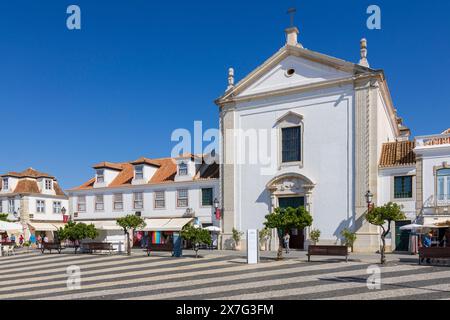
<point>35,199</point>
<point>319,124</point>
<point>165,192</point>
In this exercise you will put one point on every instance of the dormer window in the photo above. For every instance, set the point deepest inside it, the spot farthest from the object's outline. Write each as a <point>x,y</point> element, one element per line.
<point>139,172</point>
<point>100,176</point>
<point>48,184</point>
<point>5,184</point>
<point>182,169</point>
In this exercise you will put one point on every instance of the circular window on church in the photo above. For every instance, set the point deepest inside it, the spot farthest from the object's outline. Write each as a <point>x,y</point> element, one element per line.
<point>290,72</point>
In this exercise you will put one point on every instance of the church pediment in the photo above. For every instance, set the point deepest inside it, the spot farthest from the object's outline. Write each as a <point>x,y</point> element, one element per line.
<point>292,72</point>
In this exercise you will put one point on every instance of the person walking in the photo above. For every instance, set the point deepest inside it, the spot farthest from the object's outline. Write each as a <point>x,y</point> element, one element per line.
<point>426,242</point>
<point>286,240</point>
<point>21,240</point>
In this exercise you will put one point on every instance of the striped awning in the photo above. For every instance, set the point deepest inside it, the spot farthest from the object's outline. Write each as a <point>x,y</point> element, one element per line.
<point>166,224</point>
<point>43,226</point>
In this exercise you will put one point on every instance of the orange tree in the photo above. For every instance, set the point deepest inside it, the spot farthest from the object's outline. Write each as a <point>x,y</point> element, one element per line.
<point>382,216</point>
<point>284,219</point>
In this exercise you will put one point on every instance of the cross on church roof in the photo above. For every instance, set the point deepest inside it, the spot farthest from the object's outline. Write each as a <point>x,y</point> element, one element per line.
<point>291,12</point>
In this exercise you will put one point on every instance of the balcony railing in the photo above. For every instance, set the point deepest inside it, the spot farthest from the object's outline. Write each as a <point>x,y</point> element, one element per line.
<point>434,140</point>
<point>441,200</point>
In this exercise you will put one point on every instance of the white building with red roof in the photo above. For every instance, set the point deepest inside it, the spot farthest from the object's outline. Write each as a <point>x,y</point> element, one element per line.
<point>35,199</point>
<point>168,193</point>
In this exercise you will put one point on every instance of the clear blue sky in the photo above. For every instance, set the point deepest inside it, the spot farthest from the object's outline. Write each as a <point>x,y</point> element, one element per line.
<point>138,69</point>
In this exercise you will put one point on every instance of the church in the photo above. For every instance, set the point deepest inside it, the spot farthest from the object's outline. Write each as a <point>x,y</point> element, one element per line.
<point>306,129</point>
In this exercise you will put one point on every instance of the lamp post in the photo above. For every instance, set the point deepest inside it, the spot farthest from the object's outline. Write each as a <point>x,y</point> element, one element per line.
<point>218,217</point>
<point>369,200</point>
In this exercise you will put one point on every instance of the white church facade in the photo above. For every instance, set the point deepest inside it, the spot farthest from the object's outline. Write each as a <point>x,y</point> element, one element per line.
<point>320,126</point>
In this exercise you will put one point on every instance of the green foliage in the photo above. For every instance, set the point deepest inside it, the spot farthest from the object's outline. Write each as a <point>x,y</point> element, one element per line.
<point>389,212</point>
<point>288,218</point>
<point>381,216</point>
<point>4,217</point>
<point>349,237</point>
<point>131,222</point>
<point>77,231</point>
<point>196,236</point>
<point>236,235</point>
<point>264,234</point>
<point>315,235</point>
<point>284,219</point>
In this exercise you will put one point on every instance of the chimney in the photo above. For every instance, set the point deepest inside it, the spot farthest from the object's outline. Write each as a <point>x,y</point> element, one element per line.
<point>363,51</point>
<point>291,37</point>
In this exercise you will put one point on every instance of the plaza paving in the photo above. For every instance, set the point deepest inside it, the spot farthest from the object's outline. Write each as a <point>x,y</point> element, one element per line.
<point>217,275</point>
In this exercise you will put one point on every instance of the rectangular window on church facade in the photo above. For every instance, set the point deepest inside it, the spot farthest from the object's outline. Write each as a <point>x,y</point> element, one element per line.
<point>291,144</point>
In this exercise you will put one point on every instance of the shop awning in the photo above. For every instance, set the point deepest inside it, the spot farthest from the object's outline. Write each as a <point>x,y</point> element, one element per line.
<point>42,226</point>
<point>166,224</point>
<point>103,224</point>
<point>10,227</point>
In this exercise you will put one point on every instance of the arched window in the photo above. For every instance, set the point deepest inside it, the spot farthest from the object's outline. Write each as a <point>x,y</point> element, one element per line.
<point>443,184</point>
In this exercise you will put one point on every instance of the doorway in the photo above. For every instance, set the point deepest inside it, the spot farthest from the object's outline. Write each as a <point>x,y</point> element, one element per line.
<point>401,236</point>
<point>297,239</point>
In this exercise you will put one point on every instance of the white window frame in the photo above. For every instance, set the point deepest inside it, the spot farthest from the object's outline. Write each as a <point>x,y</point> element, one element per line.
<point>100,173</point>
<point>40,206</point>
<point>81,205</point>
<point>136,201</point>
<point>11,205</point>
<point>186,198</point>
<point>139,172</point>
<point>99,206</point>
<point>48,184</point>
<point>5,183</point>
<point>57,208</point>
<point>183,169</point>
<point>156,199</point>
<point>290,120</point>
<point>118,201</point>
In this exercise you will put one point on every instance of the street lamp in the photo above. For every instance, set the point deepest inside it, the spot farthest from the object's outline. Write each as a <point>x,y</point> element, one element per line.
<point>63,211</point>
<point>216,203</point>
<point>369,199</point>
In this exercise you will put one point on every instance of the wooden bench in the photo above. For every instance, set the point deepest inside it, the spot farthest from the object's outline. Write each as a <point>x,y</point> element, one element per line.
<point>433,253</point>
<point>51,246</point>
<point>159,247</point>
<point>327,251</point>
<point>97,246</point>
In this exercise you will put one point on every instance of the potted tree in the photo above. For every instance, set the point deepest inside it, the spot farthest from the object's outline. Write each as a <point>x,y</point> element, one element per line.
<point>314,235</point>
<point>196,236</point>
<point>385,215</point>
<point>130,223</point>
<point>236,235</point>
<point>349,238</point>
<point>287,218</point>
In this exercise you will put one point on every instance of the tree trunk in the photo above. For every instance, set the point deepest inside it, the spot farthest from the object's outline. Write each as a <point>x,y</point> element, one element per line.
<point>383,242</point>
<point>383,249</point>
<point>128,244</point>
<point>280,247</point>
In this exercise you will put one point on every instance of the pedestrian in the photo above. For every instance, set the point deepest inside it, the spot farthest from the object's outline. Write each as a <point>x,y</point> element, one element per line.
<point>21,240</point>
<point>286,239</point>
<point>13,239</point>
<point>38,241</point>
<point>45,239</point>
<point>426,242</point>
